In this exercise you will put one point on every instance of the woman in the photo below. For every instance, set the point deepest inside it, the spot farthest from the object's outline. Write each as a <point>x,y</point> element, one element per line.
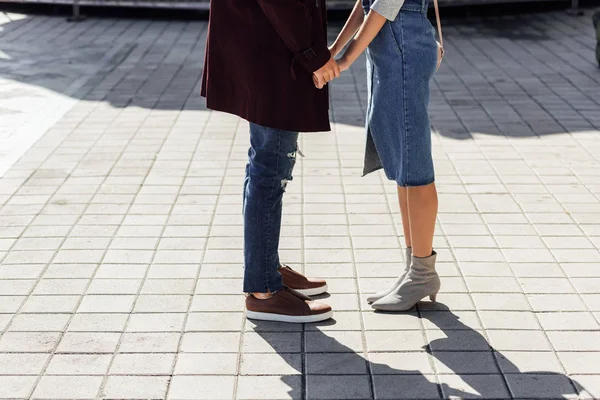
<point>402,56</point>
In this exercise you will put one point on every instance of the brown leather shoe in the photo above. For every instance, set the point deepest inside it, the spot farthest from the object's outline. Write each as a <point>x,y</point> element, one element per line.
<point>300,283</point>
<point>287,305</point>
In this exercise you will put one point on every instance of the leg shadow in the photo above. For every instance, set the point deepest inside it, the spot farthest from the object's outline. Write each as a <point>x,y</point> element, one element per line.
<point>467,362</point>
<point>335,364</point>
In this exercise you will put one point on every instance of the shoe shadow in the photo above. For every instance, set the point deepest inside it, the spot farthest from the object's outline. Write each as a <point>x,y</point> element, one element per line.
<point>446,359</point>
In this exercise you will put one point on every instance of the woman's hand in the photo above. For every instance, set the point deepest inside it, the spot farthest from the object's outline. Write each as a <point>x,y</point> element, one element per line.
<point>334,50</point>
<point>344,63</point>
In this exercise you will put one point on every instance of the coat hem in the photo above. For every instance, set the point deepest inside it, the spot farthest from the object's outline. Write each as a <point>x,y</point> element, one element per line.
<point>323,127</point>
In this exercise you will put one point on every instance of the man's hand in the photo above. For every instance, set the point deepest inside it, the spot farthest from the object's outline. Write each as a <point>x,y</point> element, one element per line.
<point>326,73</point>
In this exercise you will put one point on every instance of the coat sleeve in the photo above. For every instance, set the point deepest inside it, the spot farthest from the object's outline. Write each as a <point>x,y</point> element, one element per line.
<point>292,21</point>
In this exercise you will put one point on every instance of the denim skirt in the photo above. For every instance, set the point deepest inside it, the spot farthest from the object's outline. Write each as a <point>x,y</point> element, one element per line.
<point>401,61</point>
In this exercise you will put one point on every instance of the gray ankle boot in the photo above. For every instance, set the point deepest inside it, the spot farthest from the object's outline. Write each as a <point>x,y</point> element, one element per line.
<point>383,293</point>
<point>421,281</point>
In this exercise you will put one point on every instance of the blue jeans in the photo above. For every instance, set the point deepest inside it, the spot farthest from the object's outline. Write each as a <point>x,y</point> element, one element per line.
<point>271,160</point>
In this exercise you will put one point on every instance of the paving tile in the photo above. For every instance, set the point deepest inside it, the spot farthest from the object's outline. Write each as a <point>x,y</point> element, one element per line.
<point>88,342</point>
<point>452,301</point>
<point>580,362</point>
<point>40,322</point>
<point>61,286</point>
<point>566,321</point>
<point>218,286</point>
<point>168,286</point>
<point>546,285</point>
<point>149,342</point>
<point>218,303</point>
<point>460,363</point>
<point>30,342</point>
<point>51,304</point>
<point>78,364</point>
<point>69,271</point>
<point>588,385</point>
<point>165,322</point>
<point>22,363</point>
<point>458,320</point>
<point>336,364</point>
<point>121,271</point>
<point>518,340</point>
<point>457,340</point>
<point>333,342</point>
<point>114,286</point>
<point>67,387</point>
<point>98,322</point>
<point>269,387</point>
<point>515,362</point>
<point>342,321</point>
<point>270,326</point>
<point>343,301</point>
<point>405,363</point>
<point>135,387</point>
<point>592,301</point>
<point>509,320</point>
<point>575,341</point>
<point>384,341</point>
<point>541,386</point>
<point>142,364</point>
<point>16,386</point>
<point>271,364</point>
<point>537,270</point>
<point>205,342</point>
<point>214,322</point>
<point>405,387</point>
<point>208,364</point>
<point>337,387</point>
<point>174,271</point>
<point>496,269</point>
<point>269,342</point>
<point>474,386</point>
<point>20,271</point>
<point>201,387</point>
<point>556,302</point>
<point>381,321</point>
<point>106,304</point>
<point>501,301</point>
<point>162,303</point>
<point>5,320</point>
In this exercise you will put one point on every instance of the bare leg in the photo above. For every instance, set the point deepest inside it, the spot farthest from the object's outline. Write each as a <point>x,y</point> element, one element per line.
<point>421,279</point>
<point>422,213</point>
<point>403,201</point>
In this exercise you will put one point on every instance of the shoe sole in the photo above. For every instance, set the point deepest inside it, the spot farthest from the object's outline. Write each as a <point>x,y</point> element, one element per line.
<point>392,308</point>
<point>313,291</point>
<point>300,319</point>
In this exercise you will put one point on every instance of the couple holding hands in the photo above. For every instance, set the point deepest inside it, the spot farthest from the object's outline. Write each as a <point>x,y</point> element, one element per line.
<point>268,62</point>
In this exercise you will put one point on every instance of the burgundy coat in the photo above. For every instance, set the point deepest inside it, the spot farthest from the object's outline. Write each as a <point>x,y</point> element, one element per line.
<point>260,55</point>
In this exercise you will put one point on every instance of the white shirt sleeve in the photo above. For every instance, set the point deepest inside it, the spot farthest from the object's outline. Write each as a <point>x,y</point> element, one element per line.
<point>388,8</point>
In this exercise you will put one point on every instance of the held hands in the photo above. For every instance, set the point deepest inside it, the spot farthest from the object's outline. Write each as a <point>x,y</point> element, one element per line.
<point>330,71</point>
<point>326,73</point>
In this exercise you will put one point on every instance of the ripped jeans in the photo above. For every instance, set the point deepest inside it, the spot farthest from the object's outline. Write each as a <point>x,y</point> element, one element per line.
<point>271,160</point>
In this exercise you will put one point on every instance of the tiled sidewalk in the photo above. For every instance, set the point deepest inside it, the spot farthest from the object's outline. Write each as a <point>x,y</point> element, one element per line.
<point>120,229</point>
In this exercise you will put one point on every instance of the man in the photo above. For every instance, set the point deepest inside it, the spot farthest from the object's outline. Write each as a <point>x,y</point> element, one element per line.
<point>267,61</point>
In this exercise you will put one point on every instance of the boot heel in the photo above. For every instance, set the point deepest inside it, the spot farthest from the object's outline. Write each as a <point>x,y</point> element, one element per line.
<point>433,297</point>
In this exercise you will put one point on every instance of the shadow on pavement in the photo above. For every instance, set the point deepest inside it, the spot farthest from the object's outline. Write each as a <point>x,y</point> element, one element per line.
<point>467,366</point>
<point>158,65</point>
